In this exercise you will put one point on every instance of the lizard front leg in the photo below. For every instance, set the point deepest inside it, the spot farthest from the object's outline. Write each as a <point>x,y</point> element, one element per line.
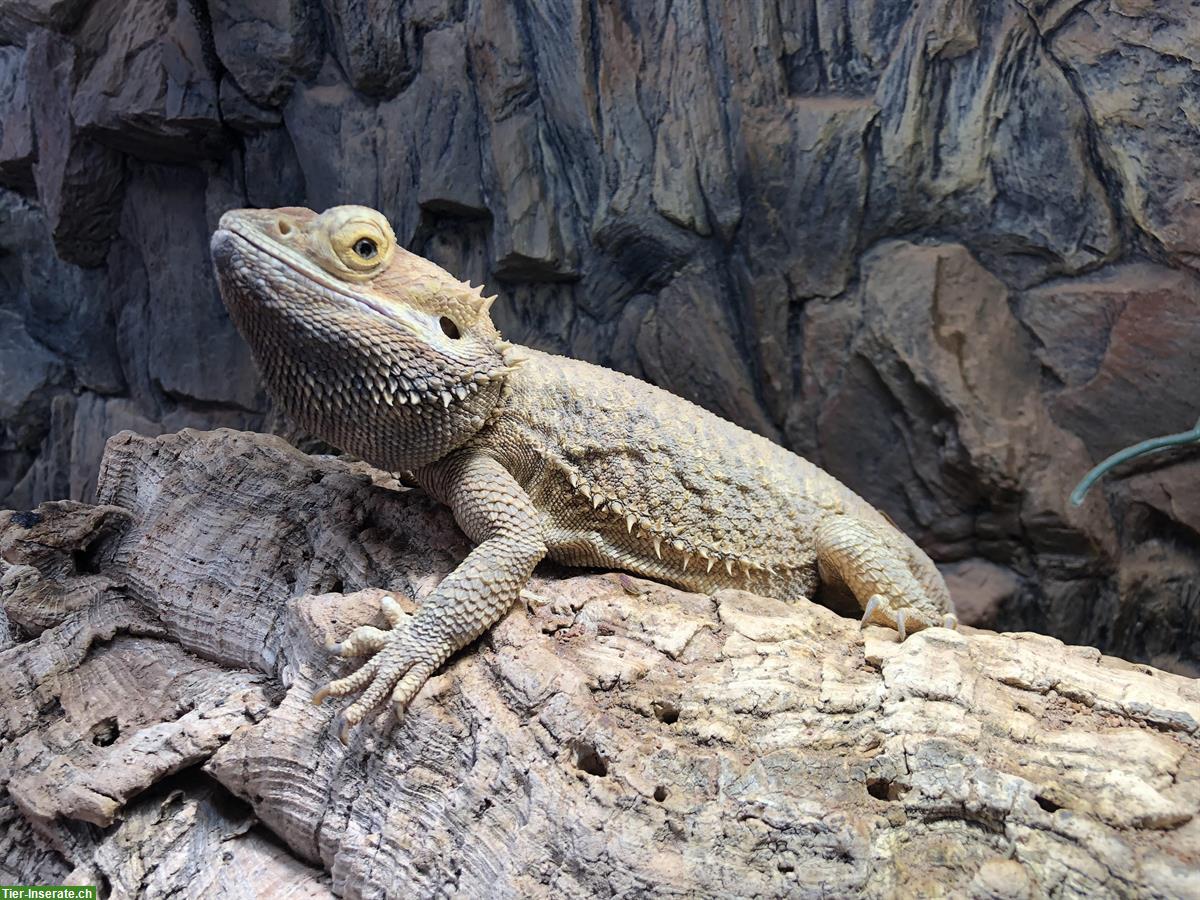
<point>496,513</point>
<point>891,583</point>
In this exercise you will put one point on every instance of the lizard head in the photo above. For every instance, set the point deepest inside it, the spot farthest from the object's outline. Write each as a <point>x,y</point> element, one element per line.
<point>372,348</point>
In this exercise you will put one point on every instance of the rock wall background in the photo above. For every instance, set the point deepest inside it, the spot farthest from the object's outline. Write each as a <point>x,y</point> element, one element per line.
<point>947,249</point>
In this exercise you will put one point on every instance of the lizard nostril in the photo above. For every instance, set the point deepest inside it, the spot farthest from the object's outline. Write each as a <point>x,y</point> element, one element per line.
<point>285,227</point>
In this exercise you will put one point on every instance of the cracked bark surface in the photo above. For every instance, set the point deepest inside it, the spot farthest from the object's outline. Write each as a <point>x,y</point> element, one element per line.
<point>609,736</point>
<point>708,194</point>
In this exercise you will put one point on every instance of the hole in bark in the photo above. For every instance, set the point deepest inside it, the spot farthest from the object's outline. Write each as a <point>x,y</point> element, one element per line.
<point>786,867</point>
<point>660,793</point>
<point>82,561</point>
<point>666,712</point>
<point>588,759</point>
<point>337,586</point>
<point>84,558</point>
<point>1048,805</point>
<point>884,789</point>
<point>105,732</point>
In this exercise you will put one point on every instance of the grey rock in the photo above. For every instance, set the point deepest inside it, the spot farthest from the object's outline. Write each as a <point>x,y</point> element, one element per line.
<point>806,184</point>
<point>980,589</point>
<point>416,153</point>
<point>242,114</point>
<point>272,171</point>
<point>692,181</point>
<point>49,476</point>
<point>151,92</point>
<point>833,47</point>
<point>371,40</point>
<point>18,149</point>
<point>534,209</point>
<point>27,369</point>
<point>439,112</point>
<point>954,418</point>
<point>79,181</point>
<point>1155,616</point>
<point>1148,137</point>
<point>680,349</point>
<point>265,47</point>
<point>827,328</point>
<point>961,148</point>
<point>57,299</point>
<point>807,177</point>
<point>20,18</point>
<point>339,145</point>
<point>1049,14</point>
<point>1123,339</point>
<point>178,345</point>
<point>1172,488</point>
<point>31,376</point>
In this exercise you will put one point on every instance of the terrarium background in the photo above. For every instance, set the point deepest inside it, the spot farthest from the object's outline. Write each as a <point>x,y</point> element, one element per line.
<point>944,249</point>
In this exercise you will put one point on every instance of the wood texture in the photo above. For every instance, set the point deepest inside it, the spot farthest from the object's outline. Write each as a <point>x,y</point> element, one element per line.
<point>609,737</point>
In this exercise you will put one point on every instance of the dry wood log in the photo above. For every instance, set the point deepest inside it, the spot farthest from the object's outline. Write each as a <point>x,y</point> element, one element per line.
<point>610,736</point>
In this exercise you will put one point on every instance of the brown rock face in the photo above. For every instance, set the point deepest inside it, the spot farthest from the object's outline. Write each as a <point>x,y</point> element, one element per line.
<point>609,737</point>
<point>947,250</point>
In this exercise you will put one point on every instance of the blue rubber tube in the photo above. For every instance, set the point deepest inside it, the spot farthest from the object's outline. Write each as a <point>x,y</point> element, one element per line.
<point>1158,443</point>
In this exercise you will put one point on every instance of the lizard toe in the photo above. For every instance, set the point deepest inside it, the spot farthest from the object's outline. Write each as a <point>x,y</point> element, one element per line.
<point>348,685</point>
<point>401,664</point>
<point>362,641</point>
<point>392,611</point>
<point>407,687</point>
<point>907,620</point>
<point>379,688</point>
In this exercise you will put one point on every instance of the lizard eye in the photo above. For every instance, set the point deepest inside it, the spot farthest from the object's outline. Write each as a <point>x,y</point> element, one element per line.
<point>449,328</point>
<point>354,241</point>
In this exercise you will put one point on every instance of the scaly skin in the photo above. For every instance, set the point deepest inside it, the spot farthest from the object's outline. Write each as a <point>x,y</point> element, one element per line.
<point>388,357</point>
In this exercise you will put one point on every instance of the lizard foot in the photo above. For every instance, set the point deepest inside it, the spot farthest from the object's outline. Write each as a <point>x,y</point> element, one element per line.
<point>401,661</point>
<point>905,620</point>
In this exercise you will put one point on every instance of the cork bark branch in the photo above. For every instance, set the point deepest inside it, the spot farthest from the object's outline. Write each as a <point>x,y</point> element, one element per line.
<point>609,736</point>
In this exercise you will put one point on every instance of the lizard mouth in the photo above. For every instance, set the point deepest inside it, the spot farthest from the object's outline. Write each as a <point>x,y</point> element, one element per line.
<point>302,268</point>
<point>403,390</point>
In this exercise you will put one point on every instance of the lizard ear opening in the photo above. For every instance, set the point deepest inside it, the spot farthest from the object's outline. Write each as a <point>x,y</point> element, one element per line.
<point>449,328</point>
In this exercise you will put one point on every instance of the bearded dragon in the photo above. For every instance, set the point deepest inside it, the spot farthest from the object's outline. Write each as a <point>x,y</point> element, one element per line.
<point>390,358</point>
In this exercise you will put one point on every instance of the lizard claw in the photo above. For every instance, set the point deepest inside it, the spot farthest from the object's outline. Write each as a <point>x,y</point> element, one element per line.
<point>345,729</point>
<point>905,620</point>
<point>400,664</point>
<point>869,610</point>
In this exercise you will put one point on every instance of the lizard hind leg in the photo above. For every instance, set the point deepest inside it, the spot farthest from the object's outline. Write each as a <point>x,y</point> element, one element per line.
<point>881,577</point>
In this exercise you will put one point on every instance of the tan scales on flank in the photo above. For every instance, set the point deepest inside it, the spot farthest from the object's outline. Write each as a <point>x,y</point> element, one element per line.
<point>387,356</point>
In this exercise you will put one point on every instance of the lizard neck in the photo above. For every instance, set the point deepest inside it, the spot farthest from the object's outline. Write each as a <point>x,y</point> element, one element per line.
<point>364,398</point>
